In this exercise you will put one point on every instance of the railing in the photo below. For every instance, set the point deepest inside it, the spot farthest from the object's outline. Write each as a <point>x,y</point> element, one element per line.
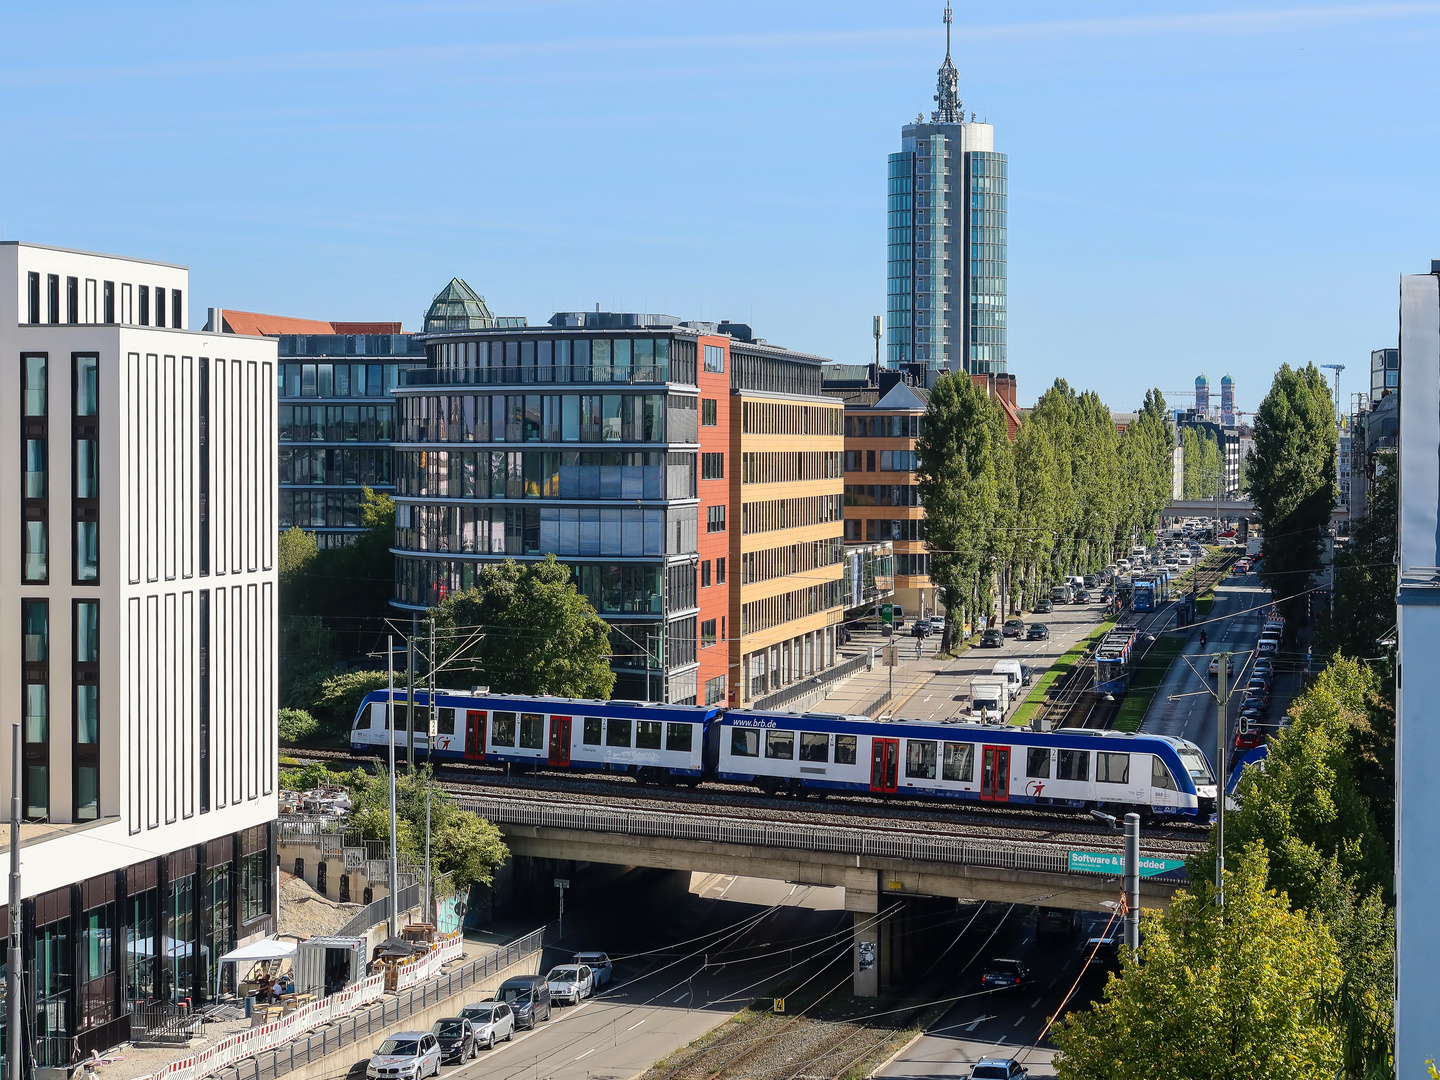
<point>813,683</point>
<point>160,1023</point>
<point>604,374</point>
<point>379,911</point>
<point>874,708</point>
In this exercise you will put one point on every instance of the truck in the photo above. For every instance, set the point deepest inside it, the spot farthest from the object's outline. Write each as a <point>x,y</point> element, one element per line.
<point>989,699</point>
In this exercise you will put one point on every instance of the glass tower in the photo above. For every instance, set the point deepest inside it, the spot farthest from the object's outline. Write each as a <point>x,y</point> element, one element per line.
<point>947,239</point>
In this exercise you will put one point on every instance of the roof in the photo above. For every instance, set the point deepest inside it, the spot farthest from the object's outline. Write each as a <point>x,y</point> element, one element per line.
<point>367,328</point>
<point>458,307</point>
<point>257,325</point>
<point>901,396</point>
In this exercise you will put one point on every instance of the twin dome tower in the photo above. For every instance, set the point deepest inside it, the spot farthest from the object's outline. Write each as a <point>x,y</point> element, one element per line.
<point>1227,399</point>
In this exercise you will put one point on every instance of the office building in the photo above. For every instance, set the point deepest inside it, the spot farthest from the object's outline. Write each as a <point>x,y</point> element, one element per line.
<point>139,593</point>
<point>1384,373</point>
<point>946,235</point>
<point>710,489</point>
<point>1417,680</point>
<point>1227,441</point>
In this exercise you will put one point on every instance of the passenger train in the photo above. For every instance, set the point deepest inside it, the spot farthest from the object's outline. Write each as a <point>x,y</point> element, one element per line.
<point>807,754</point>
<point>1115,659</point>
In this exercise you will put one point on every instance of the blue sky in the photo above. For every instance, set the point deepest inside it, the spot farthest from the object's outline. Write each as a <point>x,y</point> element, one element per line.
<point>1194,186</point>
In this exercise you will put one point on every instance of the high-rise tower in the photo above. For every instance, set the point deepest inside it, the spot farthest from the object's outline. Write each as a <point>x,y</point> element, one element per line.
<point>946,220</point>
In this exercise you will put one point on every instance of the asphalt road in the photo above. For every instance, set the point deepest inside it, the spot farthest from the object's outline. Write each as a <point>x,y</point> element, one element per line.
<point>660,1002</point>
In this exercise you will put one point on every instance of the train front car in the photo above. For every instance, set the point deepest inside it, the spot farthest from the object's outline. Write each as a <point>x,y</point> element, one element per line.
<point>1114,660</point>
<point>653,743</point>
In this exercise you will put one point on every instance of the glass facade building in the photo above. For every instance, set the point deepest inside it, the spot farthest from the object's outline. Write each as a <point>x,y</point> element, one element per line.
<point>946,242</point>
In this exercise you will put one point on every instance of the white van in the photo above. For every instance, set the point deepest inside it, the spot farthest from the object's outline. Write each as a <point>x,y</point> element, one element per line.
<point>1010,669</point>
<point>1137,552</point>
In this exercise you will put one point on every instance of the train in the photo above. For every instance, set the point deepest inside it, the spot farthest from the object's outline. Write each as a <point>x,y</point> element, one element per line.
<point>805,753</point>
<point>1150,592</point>
<point>1115,660</point>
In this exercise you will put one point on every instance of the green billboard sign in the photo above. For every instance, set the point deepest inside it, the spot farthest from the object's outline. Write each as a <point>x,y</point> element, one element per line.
<point>1113,862</point>
<point>887,614</point>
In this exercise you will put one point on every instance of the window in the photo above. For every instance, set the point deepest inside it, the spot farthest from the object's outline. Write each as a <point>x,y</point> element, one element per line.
<point>705,574</point>
<point>593,726</point>
<point>254,876</point>
<point>920,759</point>
<point>714,358</point>
<point>647,734</point>
<point>744,742</point>
<point>109,301</point>
<point>712,466</point>
<point>1073,765</point>
<point>72,300</point>
<point>814,746</point>
<point>960,761</point>
<point>715,519</point>
<point>86,491</point>
<point>532,731</point>
<point>719,571</point>
<point>502,730</point>
<point>86,751</point>
<point>1037,762</point>
<point>159,306</point>
<point>35,728</point>
<point>34,298</point>
<point>708,411</point>
<point>52,289</point>
<point>1160,776</point>
<point>144,305</point>
<point>707,632</point>
<point>617,732</point>
<point>780,745</point>
<point>715,690</point>
<point>35,428</point>
<point>679,738</point>
<point>845,749</point>
<point>176,310</point>
<point>1112,768</point>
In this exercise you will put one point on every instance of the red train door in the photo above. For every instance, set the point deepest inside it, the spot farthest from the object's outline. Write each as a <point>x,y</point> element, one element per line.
<point>995,774</point>
<point>884,764</point>
<point>559,740</point>
<point>474,736</point>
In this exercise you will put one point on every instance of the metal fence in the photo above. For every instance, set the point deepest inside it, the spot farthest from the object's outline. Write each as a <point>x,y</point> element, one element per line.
<point>815,683</point>
<point>379,911</point>
<point>159,1023</point>
<point>364,1026</point>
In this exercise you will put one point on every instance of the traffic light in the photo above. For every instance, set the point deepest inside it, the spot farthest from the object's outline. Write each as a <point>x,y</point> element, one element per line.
<point>1243,726</point>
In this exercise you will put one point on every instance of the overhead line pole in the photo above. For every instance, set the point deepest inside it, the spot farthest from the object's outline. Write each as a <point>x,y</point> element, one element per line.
<point>1222,696</point>
<point>14,976</point>
<point>394,830</point>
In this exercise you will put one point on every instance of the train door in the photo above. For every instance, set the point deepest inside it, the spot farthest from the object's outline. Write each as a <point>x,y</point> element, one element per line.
<point>474,736</point>
<point>995,774</point>
<point>559,740</point>
<point>884,764</point>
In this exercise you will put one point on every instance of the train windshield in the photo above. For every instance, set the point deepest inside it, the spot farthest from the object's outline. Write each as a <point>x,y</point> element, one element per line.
<point>1195,765</point>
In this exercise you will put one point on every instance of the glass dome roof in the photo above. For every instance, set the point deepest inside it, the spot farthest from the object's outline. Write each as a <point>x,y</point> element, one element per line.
<point>458,307</point>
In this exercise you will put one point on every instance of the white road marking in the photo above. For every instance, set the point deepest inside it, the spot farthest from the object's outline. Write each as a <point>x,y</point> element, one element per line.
<point>587,1053</point>
<point>632,1027</point>
<point>1033,1004</point>
<point>1018,1022</point>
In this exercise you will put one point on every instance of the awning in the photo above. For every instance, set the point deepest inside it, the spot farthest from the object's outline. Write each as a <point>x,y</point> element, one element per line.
<point>260,950</point>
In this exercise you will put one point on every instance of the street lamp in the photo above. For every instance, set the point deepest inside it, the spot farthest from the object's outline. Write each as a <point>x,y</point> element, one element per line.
<point>394,830</point>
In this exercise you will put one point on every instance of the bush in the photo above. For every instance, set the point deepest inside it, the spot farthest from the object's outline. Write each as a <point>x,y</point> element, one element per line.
<point>296,726</point>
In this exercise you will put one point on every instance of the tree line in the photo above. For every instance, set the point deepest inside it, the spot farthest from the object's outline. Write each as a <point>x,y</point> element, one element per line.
<point>1065,496</point>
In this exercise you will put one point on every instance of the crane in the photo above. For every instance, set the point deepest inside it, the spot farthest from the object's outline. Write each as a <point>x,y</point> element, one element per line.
<point>1337,368</point>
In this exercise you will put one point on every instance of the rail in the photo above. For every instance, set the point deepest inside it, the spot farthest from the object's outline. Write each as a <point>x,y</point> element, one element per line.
<point>872,843</point>
<point>379,911</point>
<point>816,682</point>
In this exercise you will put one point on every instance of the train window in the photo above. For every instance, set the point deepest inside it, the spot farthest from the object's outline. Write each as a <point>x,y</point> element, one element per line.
<point>1159,775</point>
<point>1112,768</point>
<point>1073,765</point>
<point>919,759</point>
<point>502,730</point>
<point>532,731</point>
<point>744,742</point>
<point>400,710</point>
<point>1037,762</point>
<point>647,734</point>
<point>445,722</point>
<point>362,722</point>
<point>814,746</point>
<point>846,749</point>
<point>617,732</point>
<point>679,737</point>
<point>780,744</point>
<point>959,761</point>
<point>593,725</point>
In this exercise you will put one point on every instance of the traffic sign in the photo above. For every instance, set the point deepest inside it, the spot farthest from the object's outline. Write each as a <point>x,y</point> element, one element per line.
<point>1113,862</point>
<point>779,1005</point>
<point>562,882</point>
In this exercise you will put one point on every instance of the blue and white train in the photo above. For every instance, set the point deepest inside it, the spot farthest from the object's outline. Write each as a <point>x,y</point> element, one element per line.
<point>811,753</point>
<point>1114,660</point>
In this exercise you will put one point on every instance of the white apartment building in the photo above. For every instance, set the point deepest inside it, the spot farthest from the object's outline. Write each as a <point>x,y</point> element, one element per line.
<point>138,637</point>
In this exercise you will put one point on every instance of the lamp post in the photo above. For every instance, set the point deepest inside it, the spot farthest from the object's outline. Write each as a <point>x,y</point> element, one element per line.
<point>394,825</point>
<point>14,1057</point>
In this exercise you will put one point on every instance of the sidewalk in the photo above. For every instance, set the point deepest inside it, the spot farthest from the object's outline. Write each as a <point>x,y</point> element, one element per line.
<point>863,688</point>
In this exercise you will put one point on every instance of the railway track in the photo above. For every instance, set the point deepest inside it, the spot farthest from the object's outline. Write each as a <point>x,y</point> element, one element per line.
<point>618,791</point>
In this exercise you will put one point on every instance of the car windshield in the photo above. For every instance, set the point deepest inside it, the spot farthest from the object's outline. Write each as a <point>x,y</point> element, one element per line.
<point>399,1047</point>
<point>1196,765</point>
<point>590,958</point>
<point>1005,967</point>
<point>449,1028</point>
<point>512,995</point>
<point>990,1072</point>
<point>563,975</point>
<point>481,1013</point>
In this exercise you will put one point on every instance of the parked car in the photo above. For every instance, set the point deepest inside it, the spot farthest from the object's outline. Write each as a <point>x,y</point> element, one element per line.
<point>528,996</point>
<point>998,1069</point>
<point>456,1038</point>
<point>1037,631</point>
<point>570,983</point>
<point>1014,627</point>
<point>599,964</point>
<point>492,1022</point>
<point>1265,664</point>
<point>1008,975</point>
<point>1248,740</point>
<point>405,1055</point>
<point>1043,606</point>
<point>991,639</point>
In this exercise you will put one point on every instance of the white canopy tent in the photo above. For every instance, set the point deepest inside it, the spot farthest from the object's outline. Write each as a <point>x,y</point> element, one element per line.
<point>256,951</point>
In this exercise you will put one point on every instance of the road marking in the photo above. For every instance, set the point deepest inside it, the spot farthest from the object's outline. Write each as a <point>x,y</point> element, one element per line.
<point>632,1027</point>
<point>587,1053</point>
<point>1018,1022</point>
<point>1033,1004</point>
<point>682,997</point>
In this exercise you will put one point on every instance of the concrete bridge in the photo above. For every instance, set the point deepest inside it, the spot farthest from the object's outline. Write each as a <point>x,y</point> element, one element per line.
<point>1208,508</point>
<point>882,868</point>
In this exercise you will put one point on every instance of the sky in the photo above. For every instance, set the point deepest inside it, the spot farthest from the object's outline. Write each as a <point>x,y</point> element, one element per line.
<point>1194,187</point>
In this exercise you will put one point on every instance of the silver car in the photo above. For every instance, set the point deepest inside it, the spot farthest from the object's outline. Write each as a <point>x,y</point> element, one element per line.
<point>492,1022</point>
<point>601,970</point>
<point>406,1055</point>
<point>571,983</point>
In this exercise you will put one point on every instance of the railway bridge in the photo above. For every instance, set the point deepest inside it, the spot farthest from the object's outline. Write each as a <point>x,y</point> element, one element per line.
<point>882,868</point>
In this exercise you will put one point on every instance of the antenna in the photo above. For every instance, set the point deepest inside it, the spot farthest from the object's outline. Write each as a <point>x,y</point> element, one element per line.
<point>949,17</point>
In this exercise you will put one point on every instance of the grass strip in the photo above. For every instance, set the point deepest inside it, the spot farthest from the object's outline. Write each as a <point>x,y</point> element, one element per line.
<point>1062,667</point>
<point>1146,681</point>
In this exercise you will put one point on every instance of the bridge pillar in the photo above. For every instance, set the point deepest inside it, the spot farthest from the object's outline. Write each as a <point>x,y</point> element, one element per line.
<point>864,908</point>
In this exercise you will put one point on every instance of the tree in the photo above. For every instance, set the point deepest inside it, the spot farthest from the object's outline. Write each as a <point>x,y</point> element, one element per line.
<point>338,697</point>
<point>1363,611</point>
<point>462,844</point>
<point>295,726</point>
<point>1241,991</point>
<point>1292,480</point>
<point>1201,462</point>
<point>524,628</point>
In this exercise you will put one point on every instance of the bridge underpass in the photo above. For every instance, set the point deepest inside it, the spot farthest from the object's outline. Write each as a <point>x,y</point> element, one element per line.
<point>888,874</point>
